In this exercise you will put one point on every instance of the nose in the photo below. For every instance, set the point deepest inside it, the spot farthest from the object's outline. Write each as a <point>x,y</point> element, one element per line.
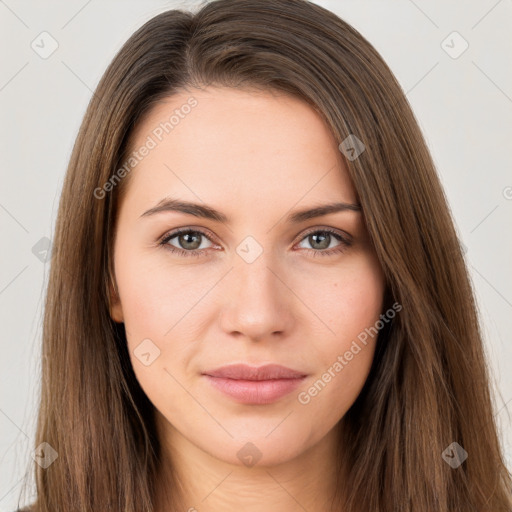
<point>257,302</point>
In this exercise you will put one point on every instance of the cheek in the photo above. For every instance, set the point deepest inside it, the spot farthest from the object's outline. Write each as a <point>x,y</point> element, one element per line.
<point>144,302</point>
<point>351,305</point>
<point>162,311</point>
<point>153,303</point>
<point>154,297</point>
<point>348,299</point>
<point>330,394</point>
<point>145,297</point>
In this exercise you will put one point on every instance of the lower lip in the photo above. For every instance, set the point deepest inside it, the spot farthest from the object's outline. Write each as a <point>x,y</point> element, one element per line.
<point>255,392</point>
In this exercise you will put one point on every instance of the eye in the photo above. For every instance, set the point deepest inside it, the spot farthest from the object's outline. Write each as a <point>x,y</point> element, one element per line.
<point>188,242</point>
<point>321,241</point>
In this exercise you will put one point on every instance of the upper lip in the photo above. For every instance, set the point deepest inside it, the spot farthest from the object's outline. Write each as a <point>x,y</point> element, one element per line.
<point>246,372</point>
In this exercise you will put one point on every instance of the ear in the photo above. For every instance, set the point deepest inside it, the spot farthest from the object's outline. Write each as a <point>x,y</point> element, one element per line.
<point>116,309</point>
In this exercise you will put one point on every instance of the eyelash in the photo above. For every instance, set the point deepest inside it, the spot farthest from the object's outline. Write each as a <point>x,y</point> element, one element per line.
<point>344,242</point>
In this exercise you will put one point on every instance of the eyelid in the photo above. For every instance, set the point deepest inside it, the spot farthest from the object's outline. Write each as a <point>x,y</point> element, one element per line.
<point>206,233</point>
<point>343,234</point>
<point>188,229</point>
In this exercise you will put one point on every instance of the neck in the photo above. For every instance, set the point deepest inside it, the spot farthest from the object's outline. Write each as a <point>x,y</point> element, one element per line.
<point>201,482</point>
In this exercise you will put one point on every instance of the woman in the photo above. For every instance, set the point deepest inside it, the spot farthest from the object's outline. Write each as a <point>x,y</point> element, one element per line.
<point>257,298</point>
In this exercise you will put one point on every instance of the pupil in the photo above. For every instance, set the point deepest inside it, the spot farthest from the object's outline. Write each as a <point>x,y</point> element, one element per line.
<point>324,242</point>
<point>185,241</point>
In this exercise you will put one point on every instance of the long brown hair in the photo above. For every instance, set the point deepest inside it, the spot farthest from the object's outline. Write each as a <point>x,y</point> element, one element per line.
<point>429,383</point>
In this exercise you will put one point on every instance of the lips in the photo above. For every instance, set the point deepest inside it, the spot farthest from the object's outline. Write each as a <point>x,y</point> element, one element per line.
<point>255,385</point>
<point>246,372</point>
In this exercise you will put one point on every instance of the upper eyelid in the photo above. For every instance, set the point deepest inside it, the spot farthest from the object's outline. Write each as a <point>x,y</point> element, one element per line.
<point>338,231</point>
<point>178,231</point>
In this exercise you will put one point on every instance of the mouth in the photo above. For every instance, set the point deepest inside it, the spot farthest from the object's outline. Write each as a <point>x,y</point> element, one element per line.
<point>255,385</point>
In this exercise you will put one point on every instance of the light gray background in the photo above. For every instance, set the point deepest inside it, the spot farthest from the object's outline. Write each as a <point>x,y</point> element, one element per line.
<point>463,105</point>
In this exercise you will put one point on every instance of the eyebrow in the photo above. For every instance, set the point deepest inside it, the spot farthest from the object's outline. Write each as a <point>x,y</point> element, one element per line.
<point>207,212</point>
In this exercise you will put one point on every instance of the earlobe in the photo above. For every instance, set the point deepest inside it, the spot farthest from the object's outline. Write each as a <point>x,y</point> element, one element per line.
<point>115,307</point>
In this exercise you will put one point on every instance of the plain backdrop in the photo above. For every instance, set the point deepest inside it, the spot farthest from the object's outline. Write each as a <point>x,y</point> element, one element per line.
<point>462,98</point>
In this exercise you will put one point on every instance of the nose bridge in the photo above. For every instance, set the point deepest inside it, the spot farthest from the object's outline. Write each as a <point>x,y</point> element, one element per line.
<point>255,278</point>
<point>256,302</point>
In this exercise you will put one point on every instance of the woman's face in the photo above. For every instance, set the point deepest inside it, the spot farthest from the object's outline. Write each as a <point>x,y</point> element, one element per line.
<point>253,284</point>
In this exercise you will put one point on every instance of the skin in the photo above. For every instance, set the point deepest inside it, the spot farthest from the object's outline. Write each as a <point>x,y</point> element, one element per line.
<point>255,156</point>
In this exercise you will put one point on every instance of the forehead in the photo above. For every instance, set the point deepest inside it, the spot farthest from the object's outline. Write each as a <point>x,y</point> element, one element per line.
<point>261,145</point>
